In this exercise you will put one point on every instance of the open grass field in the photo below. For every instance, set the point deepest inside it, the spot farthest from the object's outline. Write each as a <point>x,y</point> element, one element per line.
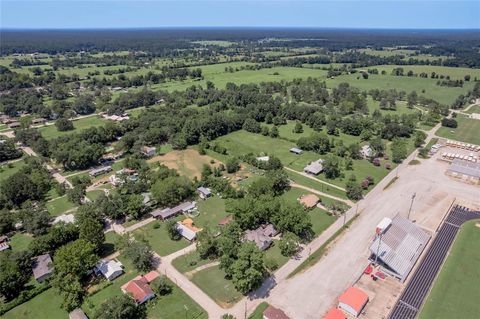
<point>187,162</point>
<point>454,73</point>
<point>59,206</point>
<point>455,291</point>
<point>50,131</point>
<point>212,281</point>
<point>189,262</point>
<point>467,131</point>
<point>44,306</point>
<point>159,240</point>
<point>10,169</point>
<point>93,195</point>
<point>424,87</point>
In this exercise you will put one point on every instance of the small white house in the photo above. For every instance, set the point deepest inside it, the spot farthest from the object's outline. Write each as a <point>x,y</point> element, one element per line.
<point>366,151</point>
<point>204,192</point>
<point>110,269</point>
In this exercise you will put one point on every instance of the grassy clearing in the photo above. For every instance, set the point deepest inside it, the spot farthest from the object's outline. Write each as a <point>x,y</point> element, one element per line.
<point>318,254</point>
<point>189,262</point>
<point>44,306</point>
<point>455,291</point>
<point>454,73</point>
<point>274,253</point>
<point>59,206</point>
<point>308,182</point>
<point>8,170</point>
<point>212,281</point>
<point>20,241</point>
<point>159,240</point>
<point>211,212</point>
<point>109,246</point>
<point>467,131</point>
<point>425,87</point>
<point>93,195</point>
<point>474,109</point>
<point>50,131</point>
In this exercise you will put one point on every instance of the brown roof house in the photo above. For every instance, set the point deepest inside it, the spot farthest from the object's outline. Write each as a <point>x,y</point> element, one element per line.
<point>42,267</point>
<point>262,236</point>
<point>309,200</point>
<point>274,313</point>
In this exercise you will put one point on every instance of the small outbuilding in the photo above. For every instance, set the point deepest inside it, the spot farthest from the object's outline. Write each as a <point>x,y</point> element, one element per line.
<point>274,313</point>
<point>353,300</point>
<point>4,245</point>
<point>148,151</point>
<point>204,192</point>
<point>366,151</point>
<point>42,267</point>
<point>295,150</point>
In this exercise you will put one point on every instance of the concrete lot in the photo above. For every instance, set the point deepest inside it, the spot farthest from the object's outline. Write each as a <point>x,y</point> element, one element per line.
<point>310,294</point>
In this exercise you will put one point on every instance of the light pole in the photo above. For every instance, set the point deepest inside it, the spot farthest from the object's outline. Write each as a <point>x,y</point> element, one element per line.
<point>411,204</point>
<point>186,311</point>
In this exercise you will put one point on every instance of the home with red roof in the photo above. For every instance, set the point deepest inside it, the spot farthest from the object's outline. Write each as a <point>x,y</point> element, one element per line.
<point>139,289</point>
<point>335,313</point>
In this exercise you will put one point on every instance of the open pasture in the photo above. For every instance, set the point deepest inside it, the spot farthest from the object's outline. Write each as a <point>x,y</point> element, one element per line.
<point>466,131</point>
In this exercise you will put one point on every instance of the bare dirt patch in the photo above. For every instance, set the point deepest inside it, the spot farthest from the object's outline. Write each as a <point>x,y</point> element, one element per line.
<point>187,162</point>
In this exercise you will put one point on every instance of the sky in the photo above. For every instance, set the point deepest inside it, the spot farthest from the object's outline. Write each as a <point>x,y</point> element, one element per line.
<point>393,14</point>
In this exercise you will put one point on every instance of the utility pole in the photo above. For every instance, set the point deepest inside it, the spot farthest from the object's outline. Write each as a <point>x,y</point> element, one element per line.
<point>186,311</point>
<point>245,313</point>
<point>411,204</point>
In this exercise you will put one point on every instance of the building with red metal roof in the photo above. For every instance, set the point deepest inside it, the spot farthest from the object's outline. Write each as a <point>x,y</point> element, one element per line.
<point>353,300</point>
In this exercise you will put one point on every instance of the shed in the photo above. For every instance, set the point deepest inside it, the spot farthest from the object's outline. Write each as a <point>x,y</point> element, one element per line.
<point>353,300</point>
<point>204,192</point>
<point>296,150</point>
<point>366,151</point>
<point>274,313</point>
<point>42,267</point>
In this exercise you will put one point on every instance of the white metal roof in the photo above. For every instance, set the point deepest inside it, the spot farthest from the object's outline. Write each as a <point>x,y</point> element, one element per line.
<point>400,245</point>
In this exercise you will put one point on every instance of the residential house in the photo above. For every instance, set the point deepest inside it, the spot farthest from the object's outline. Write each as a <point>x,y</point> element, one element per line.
<point>14,125</point>
<point>39,120</point>
<point>171,212</point>
<point>309,200</point>
<point>42,267</point>
<point>335,313</point>
<point>314,168</point>
<point>110,269</point>
<point>99,171</point>
<point>139,289</point>
<point>148,151</point>
<point>187,229</point>
<point>204,192</point>
<point>262,236</point>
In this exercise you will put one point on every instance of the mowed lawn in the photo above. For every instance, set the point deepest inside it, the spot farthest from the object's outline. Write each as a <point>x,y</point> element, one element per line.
<point>212,281</point>
<point>43,306</point>
<point>20,241</point>
<point>211,211</point>
<point>159,240</point>
<point>59,206</point>
<point>50,131</point>
<point>455,293</point>
<point>8,170</point>
<point>468,131</point>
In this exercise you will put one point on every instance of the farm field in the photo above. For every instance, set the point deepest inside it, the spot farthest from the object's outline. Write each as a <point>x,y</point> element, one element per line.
<point>455,291</point>
<point>50,131</point>
<point>466,131</point>
<point>424,87</point>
